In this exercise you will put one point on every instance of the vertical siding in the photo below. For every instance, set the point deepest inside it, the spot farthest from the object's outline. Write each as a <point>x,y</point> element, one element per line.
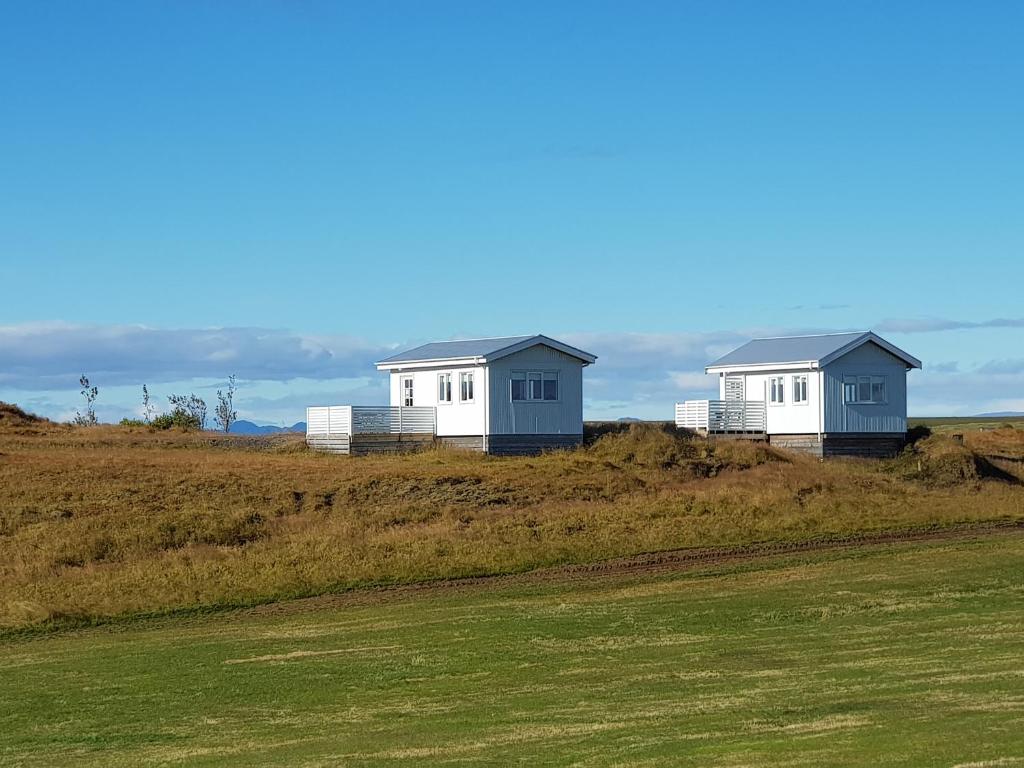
<point>562,417</point>
<point>867,360</point>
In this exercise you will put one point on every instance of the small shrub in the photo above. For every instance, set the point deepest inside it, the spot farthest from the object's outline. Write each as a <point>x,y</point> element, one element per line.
<point>176,419</point>
<point>132,423</point>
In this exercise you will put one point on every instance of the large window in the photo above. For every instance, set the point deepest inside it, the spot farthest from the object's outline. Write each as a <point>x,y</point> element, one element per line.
<point>800,390</point>
<point>466,387</point>
<point>864,390</point>
<point>534,386</point>
<point>444,388</point>
<point>776,390</point>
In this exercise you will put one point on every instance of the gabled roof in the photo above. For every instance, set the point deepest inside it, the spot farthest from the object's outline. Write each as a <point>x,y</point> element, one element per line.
<point>478,351</point>
<point>820,350</point>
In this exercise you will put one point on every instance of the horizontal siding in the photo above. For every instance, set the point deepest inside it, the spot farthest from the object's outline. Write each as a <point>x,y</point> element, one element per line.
<point>337,443</point>
<point>563,417</point>
<point>866,360</point>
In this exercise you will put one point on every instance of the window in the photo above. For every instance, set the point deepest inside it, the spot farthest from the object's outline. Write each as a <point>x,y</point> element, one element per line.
<point>550,386</point>
<point>518,386</point>
<point>534,385</point>
<point>800,390</point>
<point>444,388</point>
<point>534,388</point>
<point>864,390</point>
<point>407,390</point>
<point>776,392</point>
<point>466,387</point>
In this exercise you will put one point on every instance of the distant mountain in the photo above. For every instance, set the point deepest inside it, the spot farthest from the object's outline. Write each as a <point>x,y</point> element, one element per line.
<point>244,427</point>
<point>1001,415</point>
<point>628,418</point>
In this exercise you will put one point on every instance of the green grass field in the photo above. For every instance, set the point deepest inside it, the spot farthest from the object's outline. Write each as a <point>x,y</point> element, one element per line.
<point>908,654</point>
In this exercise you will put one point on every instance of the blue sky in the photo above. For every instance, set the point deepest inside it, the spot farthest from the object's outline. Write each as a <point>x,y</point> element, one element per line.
<point>286,189</point>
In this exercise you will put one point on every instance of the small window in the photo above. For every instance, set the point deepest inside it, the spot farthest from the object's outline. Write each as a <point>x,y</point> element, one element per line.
<point>776,392</point>
<point>550,386</point>
<point>800,390</point>
<point>518,386</point>
<point>407,391</point>
<point>865,390</point>
<point>466,387</point>
<point>444,388</point>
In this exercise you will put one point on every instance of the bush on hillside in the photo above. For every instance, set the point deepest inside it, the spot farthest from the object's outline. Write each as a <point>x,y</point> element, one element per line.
<point>645,445</point>
<point>176,419</point>
<point>938,461</point>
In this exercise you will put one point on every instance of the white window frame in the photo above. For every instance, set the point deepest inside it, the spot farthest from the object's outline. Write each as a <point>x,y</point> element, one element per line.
<point>798,380</point>
<point>856,381</point>
<point>542,377</point>
<point>464,376</point>
<point>402,390</point>
<point>444,379</point>
<point>781,380</point>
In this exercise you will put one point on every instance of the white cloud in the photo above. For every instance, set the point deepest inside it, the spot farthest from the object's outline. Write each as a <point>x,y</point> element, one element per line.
<point>44,356</point>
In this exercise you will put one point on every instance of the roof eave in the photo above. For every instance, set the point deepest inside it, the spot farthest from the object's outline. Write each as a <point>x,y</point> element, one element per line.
<point>788,365</point>
<point>385,365</point>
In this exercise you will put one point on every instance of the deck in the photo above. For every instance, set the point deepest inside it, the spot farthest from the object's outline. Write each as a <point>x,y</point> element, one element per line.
<point>360,429</point>
<point>740,418</point>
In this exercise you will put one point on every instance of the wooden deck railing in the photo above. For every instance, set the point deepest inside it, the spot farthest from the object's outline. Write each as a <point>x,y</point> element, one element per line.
<point>370,420</point>
<point>722,415</point>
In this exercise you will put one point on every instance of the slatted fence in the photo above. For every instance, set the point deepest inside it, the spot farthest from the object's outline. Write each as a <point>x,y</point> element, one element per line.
<point>722,415</point>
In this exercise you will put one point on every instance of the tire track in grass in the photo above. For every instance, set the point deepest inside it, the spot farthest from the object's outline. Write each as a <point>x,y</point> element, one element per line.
<point>666,561</point>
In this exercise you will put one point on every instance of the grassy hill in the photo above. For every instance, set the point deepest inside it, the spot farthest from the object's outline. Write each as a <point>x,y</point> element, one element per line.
<point>104,522</point>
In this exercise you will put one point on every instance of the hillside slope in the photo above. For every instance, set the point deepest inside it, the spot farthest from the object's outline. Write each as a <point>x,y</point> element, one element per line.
<point>107,521</point>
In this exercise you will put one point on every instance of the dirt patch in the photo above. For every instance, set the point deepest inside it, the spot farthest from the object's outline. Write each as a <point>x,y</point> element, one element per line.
<point>307,654</point>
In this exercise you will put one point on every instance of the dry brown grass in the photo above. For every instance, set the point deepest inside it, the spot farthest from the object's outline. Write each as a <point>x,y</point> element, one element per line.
<point>104,521</point>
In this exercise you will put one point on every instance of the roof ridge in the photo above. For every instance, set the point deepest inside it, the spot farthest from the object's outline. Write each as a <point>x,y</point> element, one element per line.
<point>483,338</point>
<point>812,335</point>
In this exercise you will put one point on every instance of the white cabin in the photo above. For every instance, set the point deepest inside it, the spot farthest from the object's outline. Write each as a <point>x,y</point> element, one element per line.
<point>831,394</point>
<point>519,394</point>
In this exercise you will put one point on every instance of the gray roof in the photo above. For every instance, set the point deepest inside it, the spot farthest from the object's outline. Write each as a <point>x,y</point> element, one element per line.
<point>806,349</point>
<point>479,348</point>
<point>449,350</point>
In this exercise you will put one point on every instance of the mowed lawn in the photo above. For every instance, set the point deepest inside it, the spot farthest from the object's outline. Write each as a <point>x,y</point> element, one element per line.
<point>909,654</point>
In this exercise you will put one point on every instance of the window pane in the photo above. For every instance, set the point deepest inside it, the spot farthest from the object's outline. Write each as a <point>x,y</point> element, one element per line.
<point>864,389</point>
<point>850,390</point>
<point>550,386</point>
<point>518,386</point>
<point>535,386</point>
<point>878,390</point>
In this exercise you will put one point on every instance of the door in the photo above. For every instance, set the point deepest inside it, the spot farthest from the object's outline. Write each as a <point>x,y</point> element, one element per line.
<point>406,390</point>
<point>733,387</point>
